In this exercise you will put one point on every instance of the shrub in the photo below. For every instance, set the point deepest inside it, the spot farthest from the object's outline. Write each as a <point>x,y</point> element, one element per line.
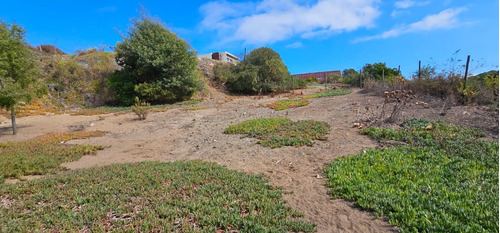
<point>262,71</point>
<point>141,108</point>
<point>222,72</point>
<point>157,65</point>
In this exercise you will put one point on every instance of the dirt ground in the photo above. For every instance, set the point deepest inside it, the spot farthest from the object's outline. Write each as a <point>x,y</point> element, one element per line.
<point>191,135</point>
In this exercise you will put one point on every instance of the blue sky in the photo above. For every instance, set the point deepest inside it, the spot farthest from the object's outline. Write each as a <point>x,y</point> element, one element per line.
<point>310,35</point>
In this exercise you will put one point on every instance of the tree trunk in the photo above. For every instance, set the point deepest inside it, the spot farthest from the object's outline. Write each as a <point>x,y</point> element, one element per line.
<point>14,126</point>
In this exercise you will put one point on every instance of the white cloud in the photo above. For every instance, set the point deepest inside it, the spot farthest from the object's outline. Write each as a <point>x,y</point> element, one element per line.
<point>295,45</point>
<point>443,20</point>
<point>269,21</point>
<point>409,3</point>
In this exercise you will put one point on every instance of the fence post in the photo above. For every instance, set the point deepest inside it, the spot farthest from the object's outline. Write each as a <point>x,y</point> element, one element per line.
<point>466,71</point>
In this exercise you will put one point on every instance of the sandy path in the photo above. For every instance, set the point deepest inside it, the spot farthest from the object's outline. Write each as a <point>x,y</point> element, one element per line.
<point>189,135</point>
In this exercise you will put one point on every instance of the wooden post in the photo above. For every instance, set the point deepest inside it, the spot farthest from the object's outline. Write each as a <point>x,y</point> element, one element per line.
<point>399,70</point>
<point>419,65</point>
<point>13,117</point>
<point>245,55</point>
<point>466,71</point>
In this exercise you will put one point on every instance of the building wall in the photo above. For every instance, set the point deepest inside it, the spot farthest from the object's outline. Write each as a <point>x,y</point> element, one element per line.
<point>220,56</point>
<point>318,75</point>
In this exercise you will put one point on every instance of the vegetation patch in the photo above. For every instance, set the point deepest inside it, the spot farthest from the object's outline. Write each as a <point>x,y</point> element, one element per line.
<point>193,108</point>
<point>328,93</point>
<point>445,180</point>
<point>286,104</point>
<point>43,154</point>
<point>181,196</point>
<point>279,132</point>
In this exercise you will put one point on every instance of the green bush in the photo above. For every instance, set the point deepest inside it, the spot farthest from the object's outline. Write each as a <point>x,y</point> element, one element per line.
<point>157,66</point>
<point>295,83</point>
<point>222,72</point>
<point>262,71</point>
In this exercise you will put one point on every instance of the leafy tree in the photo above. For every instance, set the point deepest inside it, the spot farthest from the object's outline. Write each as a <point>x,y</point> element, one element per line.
<point>350,76</point>
<point>18,69</point>
<point>262,71</point>
<point>157,66</point>
<point>379,71</point>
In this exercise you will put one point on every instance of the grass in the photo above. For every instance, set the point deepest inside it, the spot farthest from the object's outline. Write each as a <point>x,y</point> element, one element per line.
<point>279,132</point>
<point>328,93</point>
<point>181,196</point>
<point>445,180</point>
<point>43,154</point>
<point>286,104</point>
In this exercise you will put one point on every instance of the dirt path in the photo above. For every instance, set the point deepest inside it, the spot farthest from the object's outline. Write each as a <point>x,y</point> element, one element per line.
<point>191,135</point>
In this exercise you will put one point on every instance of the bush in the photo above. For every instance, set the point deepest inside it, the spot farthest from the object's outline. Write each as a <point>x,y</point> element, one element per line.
<point>295,83</point>
<point>222,72</point>
<point>262,71</point>
<point>141,108</point>
<point>157,66</point>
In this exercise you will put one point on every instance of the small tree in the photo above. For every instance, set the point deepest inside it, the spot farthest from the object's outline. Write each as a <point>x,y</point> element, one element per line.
<point>18,69</point>
<point>262,71</point>
<point>157,66</point>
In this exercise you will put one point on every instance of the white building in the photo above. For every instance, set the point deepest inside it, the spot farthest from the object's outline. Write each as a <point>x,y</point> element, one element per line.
<point>221,56</point>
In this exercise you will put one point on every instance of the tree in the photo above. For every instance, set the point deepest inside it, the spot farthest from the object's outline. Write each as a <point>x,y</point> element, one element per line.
<point>350,76</point>
<point>262,71</point>
<point>18,69</point>
<point>157,66</point>
<point>379,71</point>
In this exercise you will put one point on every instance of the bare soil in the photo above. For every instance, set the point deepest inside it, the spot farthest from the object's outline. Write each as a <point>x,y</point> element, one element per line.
<point>198,135</point>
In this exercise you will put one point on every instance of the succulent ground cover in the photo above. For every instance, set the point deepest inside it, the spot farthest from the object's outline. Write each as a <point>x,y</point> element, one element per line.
<point>328,93</point>
<point>279,132</point>
<point>281,105</point>
<point>444,180</point>
<point>43,154</point>
<point>181,196</point>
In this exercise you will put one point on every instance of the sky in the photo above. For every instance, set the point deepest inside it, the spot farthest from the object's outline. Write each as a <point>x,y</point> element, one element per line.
<point>310,35</point>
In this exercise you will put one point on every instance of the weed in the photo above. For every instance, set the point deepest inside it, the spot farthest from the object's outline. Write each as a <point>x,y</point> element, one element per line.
<point>286,104</point>
<point>43,154</point>
<point>446,180</point>
<point>181,196</point>
<point>279,132</point>
<point>141,108</point>
<point>329,93</point>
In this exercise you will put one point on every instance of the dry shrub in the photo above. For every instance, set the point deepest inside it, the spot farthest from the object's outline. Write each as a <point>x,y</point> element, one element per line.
<point>141,108</point>
<point>49,49</point>
<point>442,86</point>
